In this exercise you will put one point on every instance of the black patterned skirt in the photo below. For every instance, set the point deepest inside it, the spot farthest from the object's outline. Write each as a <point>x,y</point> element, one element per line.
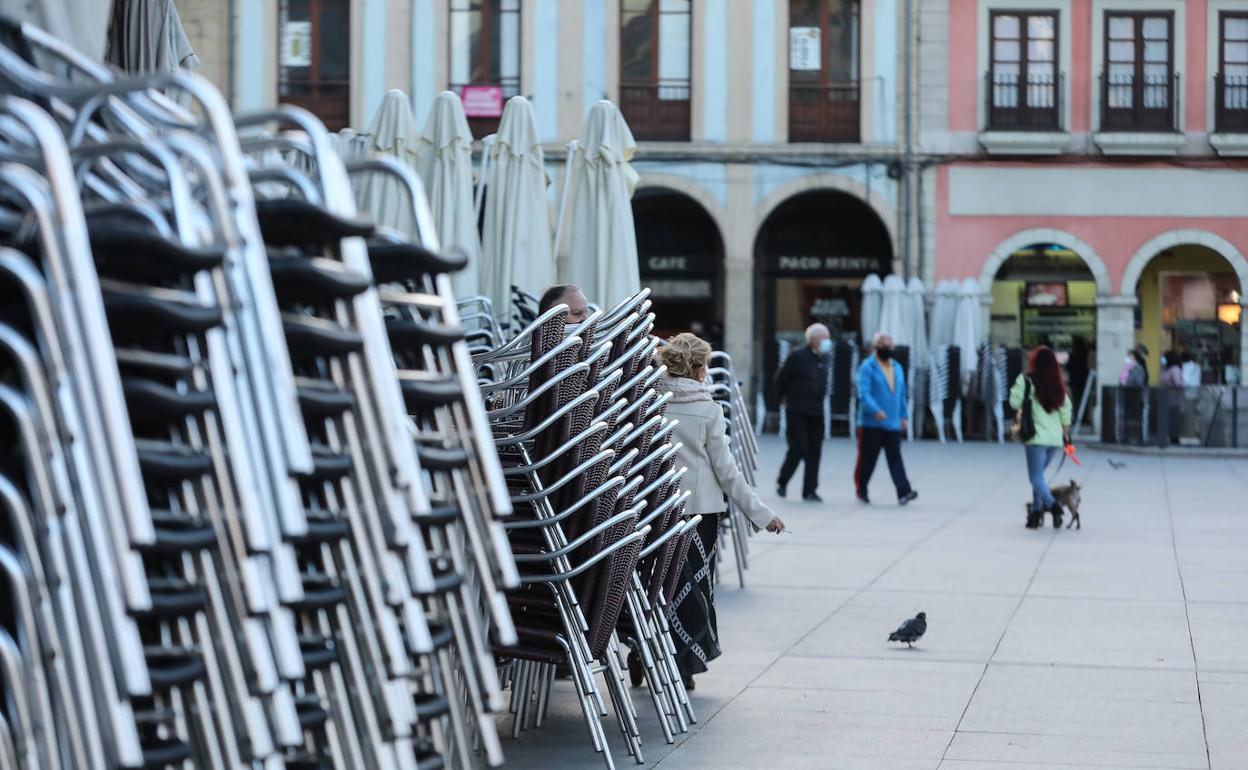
<point>691,612</point>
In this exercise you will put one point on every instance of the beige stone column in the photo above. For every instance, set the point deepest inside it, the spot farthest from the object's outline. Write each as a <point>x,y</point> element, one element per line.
<point>1115,336</point>
<point>738,236</point>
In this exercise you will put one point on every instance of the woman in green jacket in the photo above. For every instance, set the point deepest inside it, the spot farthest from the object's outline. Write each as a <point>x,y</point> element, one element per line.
<point>1050,410</point>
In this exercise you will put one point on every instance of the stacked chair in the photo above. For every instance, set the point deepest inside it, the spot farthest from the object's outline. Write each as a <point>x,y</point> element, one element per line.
<point>251,511</point>
<point>598,530</point>
<point>726,389</point>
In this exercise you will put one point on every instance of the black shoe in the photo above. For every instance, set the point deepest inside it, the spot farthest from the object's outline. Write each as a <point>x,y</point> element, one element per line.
<point>636,674</point>
<point>1056,510</point>
<point>688,682</point>
<point>1034,518</point>
<point>907,497</point>
<point>812,498</point>
<point>864,499</point>
<point>780,490</point>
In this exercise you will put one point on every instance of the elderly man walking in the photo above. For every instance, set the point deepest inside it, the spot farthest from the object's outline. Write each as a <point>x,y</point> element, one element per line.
<point>802,386</point>
<point>882,415</point>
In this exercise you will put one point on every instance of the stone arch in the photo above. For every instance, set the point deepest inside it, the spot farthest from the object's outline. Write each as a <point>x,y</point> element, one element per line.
<point>827,181</point>
<point>687,187</point>
<point>1137,264</point>
<point>1025,238</point>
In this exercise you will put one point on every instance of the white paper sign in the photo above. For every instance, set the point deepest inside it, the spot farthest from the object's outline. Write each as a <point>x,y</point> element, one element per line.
<point>297,44</point>
<point>805,49</point>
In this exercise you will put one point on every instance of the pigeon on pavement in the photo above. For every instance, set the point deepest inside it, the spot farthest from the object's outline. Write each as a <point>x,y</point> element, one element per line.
<point>1116,465</point>
<point>910,631</point>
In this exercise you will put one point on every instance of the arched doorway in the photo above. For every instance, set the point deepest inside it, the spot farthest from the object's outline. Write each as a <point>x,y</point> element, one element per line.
<point>812,254</point>
<point>1189,300</point>
<point>681,259</point>
<point>1045,294</point>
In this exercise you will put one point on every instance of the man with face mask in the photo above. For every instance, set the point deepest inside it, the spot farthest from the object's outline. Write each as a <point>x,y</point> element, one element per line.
<point>802,386</point>
<point>882,417</point>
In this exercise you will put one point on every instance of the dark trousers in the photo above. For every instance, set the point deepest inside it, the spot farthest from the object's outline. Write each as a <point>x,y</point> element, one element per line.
<point>805,435</point>
<point>870,442</point>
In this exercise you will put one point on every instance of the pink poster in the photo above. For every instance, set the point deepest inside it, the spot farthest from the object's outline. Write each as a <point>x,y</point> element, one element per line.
<point>482,101</point>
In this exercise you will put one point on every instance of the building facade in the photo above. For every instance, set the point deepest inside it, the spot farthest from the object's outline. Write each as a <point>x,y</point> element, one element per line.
<point>770,132</point>
<point>1085,162</point>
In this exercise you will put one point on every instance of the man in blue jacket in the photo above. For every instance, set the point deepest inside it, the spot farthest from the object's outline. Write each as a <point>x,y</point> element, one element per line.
<point>882,416</point>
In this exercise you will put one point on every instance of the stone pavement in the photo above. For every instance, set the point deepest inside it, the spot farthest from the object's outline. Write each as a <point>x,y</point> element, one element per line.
<point>1123,645</point>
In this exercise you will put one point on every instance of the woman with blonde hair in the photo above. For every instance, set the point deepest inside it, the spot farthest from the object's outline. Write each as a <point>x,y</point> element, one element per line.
<point>711,475</point>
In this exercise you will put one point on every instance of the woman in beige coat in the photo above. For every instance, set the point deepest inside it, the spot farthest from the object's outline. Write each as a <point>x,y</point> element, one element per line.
<point>711,475</point>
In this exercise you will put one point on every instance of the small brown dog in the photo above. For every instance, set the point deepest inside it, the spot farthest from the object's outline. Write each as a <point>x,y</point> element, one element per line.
<point>1068,497</point>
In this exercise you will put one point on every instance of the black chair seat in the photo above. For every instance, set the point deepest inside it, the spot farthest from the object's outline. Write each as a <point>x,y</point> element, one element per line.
<point>319,593</point>
<point>176,603</point>
<point>438,516</point>
<point>163,752</point>
<point>311,717</point>
<point>294,222</point>
<point>444,582</point>
<point>309,338</point>
<point>145,256</point>
<point>167,462</point>
<point>330,530</point>
<point>318,651</point>
<point>174,668</point>
<point>438,459</point>
<point>175,540</point>
<point>314,280</point>
<point>422,393</point>
<point>431,706</point>
<point>152,402</point>
<point>430,760</point>
<point>135,317</point>
<point>407,334</point>
<point>328,466</point>
<point>395,262</point>
<point>319,403</point>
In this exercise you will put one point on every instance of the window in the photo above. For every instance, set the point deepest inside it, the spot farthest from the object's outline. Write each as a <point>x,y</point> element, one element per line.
<point>485,58</point>
<point>1023,81</point>
<point>1231,87</point>
<point>654,67</point>
<point>314,67</point>
<point>824,88</point>
<point>1139,85</point>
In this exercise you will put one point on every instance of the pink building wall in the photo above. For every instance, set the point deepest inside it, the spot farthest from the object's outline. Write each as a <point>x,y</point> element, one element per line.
<point>965,242</point>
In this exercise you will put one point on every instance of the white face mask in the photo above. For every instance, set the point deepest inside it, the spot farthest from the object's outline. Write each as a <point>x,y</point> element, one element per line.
<point>1130,359</point>
<point>825,346</point>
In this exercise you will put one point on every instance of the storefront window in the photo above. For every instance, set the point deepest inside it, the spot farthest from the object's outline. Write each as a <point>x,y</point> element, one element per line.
<point>680,254</point>
<point>1200,315</point>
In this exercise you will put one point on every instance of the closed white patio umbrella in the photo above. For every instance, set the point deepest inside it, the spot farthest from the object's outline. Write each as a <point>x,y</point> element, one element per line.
<point>869,315</point>
<point>147,36</point>
<point>893,310</point>
<point>392,132</point>
<point>944,311</point>
<point>602,245</point>
<point>444,162</point>
<point>966,331</point>
<point>516,249</point>
<point>81,23</point>
<point>917,314</point>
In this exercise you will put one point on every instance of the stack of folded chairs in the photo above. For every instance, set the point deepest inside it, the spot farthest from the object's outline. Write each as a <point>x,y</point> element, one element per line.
<point>250,505</point>
<point>726,389</point>
<point>598,530</point>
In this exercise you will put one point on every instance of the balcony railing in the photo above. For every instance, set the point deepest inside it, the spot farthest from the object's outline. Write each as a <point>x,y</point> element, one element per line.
<point>1230,103</point>
<point>656,113</point>
<point>1150,104</point>
<point>825,112</point>
<point>1012,105</point>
